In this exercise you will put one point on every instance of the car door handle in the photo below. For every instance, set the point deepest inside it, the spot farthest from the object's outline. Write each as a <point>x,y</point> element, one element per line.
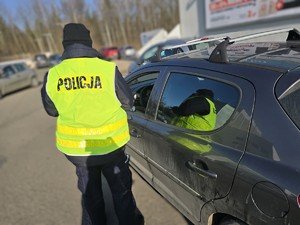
<point>202,171</point>
<point>135,133</point>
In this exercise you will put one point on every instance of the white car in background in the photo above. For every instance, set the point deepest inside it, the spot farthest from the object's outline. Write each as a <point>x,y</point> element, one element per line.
<point>153,51</point>
<point>15,76</point>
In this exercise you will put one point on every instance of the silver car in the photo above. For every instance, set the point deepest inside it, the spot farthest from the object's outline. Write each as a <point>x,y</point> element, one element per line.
<point>15,76</point>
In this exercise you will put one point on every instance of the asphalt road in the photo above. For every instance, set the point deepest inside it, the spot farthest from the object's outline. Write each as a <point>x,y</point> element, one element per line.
<point>38,186</point>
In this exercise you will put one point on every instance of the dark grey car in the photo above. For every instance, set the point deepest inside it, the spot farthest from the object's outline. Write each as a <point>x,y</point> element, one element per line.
<point>246,169</point>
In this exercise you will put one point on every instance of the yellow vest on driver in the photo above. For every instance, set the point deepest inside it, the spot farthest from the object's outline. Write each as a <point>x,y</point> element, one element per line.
<point>91,120</point>
<point>195,142</point>
<point>197,122</point>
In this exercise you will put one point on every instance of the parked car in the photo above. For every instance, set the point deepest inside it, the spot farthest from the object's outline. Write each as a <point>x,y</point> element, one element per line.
<point>41,61</point>
<point>152,51</point>
<point>127,52</point>
<point>244,168</point>
<point>155,51</point>
<point>110,53</point>
<point>15,76</point>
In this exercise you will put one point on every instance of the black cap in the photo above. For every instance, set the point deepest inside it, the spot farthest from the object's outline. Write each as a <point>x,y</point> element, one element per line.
<point>76,33</point>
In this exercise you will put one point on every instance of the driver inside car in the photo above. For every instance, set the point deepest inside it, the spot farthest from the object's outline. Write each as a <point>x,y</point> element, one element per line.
<point>197,112</point>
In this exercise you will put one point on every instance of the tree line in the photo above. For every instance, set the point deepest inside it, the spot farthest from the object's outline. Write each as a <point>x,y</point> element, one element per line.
<point>36,25</point>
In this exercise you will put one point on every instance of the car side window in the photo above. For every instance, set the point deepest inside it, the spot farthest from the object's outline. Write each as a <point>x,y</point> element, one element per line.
<point>20,67</point>
<point>8,71</point>
<point>141,87</point>
<point>290,101</point>
<point>197,103</point>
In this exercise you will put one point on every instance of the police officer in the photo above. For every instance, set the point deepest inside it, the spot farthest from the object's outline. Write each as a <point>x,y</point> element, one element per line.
<point>88,96</point>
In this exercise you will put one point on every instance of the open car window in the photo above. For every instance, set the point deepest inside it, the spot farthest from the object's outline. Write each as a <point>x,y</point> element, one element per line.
<point>141,87</point>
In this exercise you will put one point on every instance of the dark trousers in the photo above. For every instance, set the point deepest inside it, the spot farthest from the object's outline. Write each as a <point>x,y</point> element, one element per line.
<point>119,179</point>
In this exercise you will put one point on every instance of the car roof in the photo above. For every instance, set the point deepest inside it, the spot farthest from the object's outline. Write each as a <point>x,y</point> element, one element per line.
<point>273,56</point>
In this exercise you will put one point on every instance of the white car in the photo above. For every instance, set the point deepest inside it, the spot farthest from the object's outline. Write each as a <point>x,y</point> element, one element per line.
<point>153,51</point>
<point>15,76</point>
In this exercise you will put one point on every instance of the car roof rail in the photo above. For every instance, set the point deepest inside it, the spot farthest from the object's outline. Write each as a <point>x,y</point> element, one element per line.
<point>219,54</point>
<point>271,32</point>
<point>198,41</point>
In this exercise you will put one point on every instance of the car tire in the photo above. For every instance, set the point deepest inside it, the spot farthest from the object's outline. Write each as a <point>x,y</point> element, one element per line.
<point>231,221</point>
<point>34,82</point>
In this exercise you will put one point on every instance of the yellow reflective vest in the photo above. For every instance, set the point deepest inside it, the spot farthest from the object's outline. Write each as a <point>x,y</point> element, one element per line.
<point>91,120</point>
<point>194,142</point>
<point>197,122</point>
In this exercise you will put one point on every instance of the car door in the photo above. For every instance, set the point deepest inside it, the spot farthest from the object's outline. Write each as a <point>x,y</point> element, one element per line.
<point>141,85</point>
<point>22,74</point>
<point>10,79</point>
<point>191,167</point>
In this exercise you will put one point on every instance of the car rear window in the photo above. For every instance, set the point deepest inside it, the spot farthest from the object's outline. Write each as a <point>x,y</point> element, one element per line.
<point>290,101</point>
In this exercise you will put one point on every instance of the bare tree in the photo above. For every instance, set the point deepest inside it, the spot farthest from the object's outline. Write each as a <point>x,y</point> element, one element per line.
<point>74,10</point>
<point>117,22</point>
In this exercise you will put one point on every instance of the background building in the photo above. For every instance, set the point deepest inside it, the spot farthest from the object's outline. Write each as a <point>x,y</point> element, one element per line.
<point>199,18</point>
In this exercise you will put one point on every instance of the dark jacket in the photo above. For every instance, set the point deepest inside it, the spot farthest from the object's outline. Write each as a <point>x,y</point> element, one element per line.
<point>123,93</point>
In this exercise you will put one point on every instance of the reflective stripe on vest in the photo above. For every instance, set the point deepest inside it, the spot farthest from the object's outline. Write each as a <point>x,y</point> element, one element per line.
<point>91,131</point>
<point>92,146</point>
<point>91,143</point>
<point>91,120</point>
